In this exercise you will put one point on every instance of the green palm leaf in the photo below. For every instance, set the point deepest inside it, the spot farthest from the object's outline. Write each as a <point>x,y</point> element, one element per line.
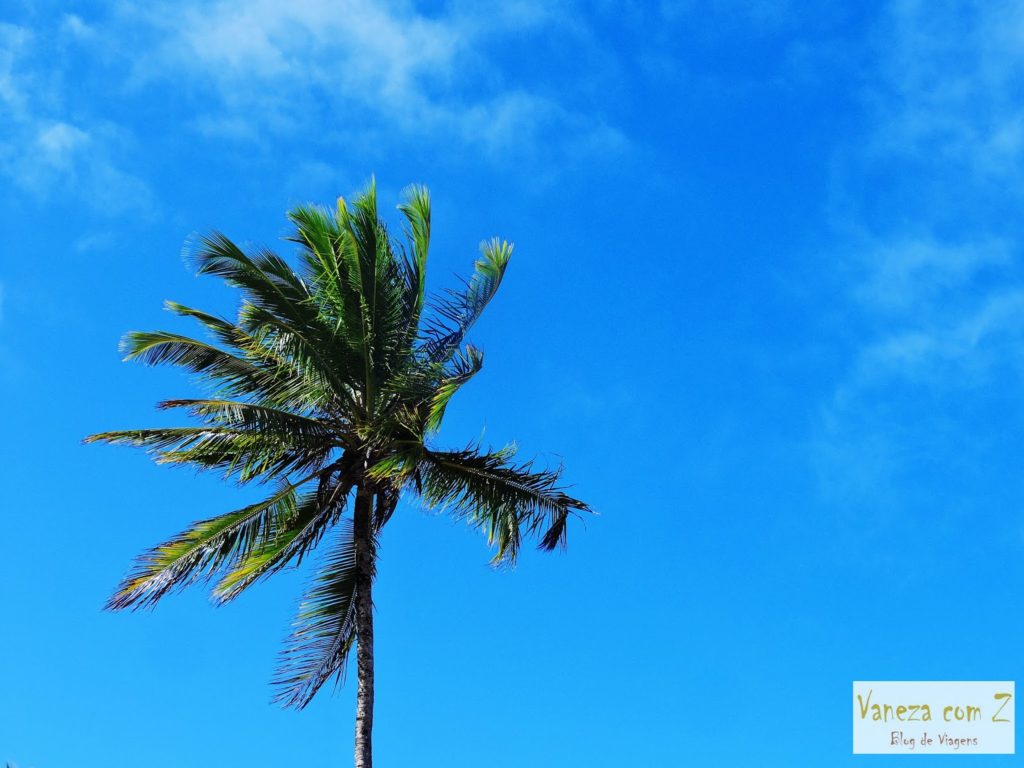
<point>505,499</point>
<point>324,629</point>
<point>202,549</point>
<point>287,543</point>
<point>242,453</point>
<point>456,313</point>
<point>463,367</point>
<point>261,419</point>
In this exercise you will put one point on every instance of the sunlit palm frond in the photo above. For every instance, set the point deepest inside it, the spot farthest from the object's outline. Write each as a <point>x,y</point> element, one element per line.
<point>204,548</point>
<point>384,289</point>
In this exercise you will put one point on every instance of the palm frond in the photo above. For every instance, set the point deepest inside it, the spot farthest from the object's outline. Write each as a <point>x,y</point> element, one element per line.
<point>324,629</point>
<point>243,454</point>
<point>202,549</point>
<point>415,209</point>
<point>505,499</point>
<point>459,310</point>
<point>462,368</point>
<point>327,254</point>
<point>164,348</point>
<point>250,417</point>
<point>288,543</point>
<point>234,375</point>
<point>273,379</point>
<point>383,287</point>
<point>323,362</point>
<point>280,308</point>
<point>265,278</point>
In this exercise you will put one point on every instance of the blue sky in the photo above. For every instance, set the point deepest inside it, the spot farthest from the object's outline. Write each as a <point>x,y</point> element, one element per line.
<point>767,304</point>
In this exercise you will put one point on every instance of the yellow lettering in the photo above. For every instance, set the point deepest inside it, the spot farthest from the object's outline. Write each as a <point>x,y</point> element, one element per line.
<point>1005,697</point>
<point>864,705</point>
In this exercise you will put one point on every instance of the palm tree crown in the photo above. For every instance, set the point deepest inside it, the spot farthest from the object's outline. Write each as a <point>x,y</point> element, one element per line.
<point>328,387</point>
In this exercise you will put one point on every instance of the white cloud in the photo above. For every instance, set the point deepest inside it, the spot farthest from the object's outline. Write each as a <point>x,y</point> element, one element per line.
<point>73,25</point>
<point>961,352</point>
<point>927,201</point>
<point>910,273</point>
<point>45,158</point>
<point>58,143</point>
<point>365,67</point>
<point>354,73</point>
<point>952,73</point>
<point>43,151</point>
<point>381,53</point>
<point>13,42</point>
<point>939,167</point>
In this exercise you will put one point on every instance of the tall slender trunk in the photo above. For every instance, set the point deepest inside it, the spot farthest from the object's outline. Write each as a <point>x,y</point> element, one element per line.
<point>364,541</point>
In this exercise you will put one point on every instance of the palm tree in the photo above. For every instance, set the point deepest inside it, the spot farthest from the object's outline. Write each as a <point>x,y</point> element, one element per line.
<point>330,386</point>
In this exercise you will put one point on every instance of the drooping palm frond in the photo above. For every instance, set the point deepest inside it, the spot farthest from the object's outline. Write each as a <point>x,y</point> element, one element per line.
<point>324,629</point>
<point>492,492</point>
<point>461,368</point>
<point>203,549</point>
<point>265,279</point>
<point>162,347</point>
<point>289,543</point>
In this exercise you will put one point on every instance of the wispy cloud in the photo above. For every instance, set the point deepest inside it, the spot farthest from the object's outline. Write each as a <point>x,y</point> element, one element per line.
<point>936,311</point>
<point>45,150</point>
<point>912,273</point>
<point>361,67</point>
<point>13,41</point>
<point>926,200</point>
<point>317,75</point>
<point>951,92</point>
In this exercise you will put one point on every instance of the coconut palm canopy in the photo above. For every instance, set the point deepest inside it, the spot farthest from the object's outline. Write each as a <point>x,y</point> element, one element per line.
<point>328,388</point>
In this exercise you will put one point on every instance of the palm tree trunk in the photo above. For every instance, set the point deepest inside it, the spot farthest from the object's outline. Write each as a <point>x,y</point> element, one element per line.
<point>364,545</point>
